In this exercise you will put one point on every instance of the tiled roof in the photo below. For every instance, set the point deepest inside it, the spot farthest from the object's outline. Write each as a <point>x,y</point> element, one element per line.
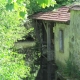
<point>61,15</point>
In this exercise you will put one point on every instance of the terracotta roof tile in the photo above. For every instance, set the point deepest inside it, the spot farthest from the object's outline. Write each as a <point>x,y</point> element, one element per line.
<point>62,15</point>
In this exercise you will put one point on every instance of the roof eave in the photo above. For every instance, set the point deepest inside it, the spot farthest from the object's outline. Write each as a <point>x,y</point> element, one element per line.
<point>53,20</point>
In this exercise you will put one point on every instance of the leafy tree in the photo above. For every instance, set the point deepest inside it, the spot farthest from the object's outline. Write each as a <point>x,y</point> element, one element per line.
<point>47,3</point>
<point>63,2</point>
<point>32,6</point>
<point>12,65</point>
<point>20,5</point>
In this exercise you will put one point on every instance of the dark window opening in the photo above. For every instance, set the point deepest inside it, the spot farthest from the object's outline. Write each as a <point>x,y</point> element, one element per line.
<point>61,40</point>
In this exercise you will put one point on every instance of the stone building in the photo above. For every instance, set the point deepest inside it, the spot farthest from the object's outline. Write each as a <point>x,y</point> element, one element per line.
<point>58,33</point>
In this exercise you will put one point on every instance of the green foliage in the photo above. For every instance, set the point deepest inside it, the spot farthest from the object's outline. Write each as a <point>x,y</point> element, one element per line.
<point>30,5</point>
<point>17,5</point>
<point>47,3</point>
<point>63,2</point>
<point>31,8</point>
<point>12,65</point>
<point>9,7</point>
<point>72,70</point>
<point>32,57</point>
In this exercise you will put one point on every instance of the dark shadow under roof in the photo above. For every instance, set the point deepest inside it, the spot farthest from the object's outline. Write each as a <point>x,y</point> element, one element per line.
<point>60,15</point>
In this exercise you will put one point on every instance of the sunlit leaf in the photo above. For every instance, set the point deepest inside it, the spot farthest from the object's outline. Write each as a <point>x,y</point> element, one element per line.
<point>20,1</point>
<point>10,7</point>
<point>47,3</point>
<point>9,1</point>
<point>22,14</point>
<point>16,6</point>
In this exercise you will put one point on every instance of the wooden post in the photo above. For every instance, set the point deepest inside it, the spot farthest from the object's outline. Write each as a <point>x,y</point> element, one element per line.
<point>37,31</point>
<point>49,53</point>
<point>38,39</point>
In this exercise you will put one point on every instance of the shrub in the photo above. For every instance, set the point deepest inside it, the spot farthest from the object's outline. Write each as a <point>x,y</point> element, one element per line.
<point>12,65</point>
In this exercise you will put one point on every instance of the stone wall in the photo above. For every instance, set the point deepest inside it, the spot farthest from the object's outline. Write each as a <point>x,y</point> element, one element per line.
<point>74,39</point>
<point>61,56</point>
